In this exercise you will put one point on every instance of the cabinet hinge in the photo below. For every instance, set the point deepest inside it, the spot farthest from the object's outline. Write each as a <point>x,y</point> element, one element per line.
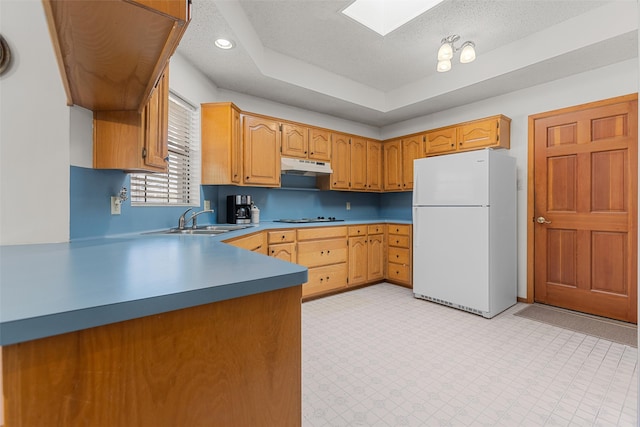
<point>144,153</point>
<point>349,141</point>
<point>280,127</point>
<point>424,138</point>
<point>347,280</point>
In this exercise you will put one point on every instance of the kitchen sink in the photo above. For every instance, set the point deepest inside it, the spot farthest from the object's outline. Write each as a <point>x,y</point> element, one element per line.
<point>203,229</point>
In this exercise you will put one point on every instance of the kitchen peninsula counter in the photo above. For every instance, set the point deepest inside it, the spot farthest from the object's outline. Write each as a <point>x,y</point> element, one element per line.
<point>155,330</point>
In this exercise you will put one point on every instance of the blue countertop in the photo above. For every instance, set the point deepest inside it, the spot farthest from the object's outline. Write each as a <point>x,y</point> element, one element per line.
<point>49,289</point>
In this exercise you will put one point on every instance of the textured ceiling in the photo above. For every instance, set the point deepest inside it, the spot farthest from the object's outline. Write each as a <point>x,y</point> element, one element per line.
<point>307,54</point>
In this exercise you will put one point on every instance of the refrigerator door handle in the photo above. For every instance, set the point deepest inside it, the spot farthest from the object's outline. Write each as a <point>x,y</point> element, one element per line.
<point>415,227</point>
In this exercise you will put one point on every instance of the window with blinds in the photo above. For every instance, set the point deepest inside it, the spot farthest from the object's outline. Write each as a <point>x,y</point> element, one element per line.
<point>181,185</point>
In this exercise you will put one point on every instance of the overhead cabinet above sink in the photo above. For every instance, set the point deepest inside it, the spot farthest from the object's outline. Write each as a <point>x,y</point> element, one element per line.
<point>112,53</point>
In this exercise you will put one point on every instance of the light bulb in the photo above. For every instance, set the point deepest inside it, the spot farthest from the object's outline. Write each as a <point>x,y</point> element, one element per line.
<point>445,52</point>
<point>444,65</point>
<point>468,53</point>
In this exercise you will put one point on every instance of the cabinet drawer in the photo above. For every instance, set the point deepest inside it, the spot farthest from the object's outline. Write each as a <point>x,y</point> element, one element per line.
<point>327,278</point>
<point>282,236</point>
<point>321,233</point>
<point>399,272</point>
<point>399,229</point>
<point>399,255</point>
<point>357,230</point>
<point>375,229</point>
<point>399,241</point>
<point>322,252</point>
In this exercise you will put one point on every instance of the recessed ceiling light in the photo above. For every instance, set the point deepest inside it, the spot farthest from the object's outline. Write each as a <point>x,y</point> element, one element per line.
<point>384,16</point>
<point>223,43</point>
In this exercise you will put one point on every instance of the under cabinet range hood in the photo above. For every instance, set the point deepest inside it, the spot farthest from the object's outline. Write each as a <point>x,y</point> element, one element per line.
<point>304,167</point>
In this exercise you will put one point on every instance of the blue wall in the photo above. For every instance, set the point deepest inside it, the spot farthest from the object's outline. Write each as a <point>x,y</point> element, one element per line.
<point>91,189</point>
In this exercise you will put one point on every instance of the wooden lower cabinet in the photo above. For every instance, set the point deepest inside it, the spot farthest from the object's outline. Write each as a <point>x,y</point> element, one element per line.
<point>230,363</point>
<point>282,245</point>
<point>399,254</point>
<point>366,254</point>
<point>324,251</point>
<point>256,242</point>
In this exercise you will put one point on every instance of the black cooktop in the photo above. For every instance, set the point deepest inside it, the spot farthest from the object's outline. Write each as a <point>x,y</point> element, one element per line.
<point>306,220</point>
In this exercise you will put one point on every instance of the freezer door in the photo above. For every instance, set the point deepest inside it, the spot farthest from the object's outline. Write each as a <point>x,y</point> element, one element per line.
<point>460,179</point>
<point>451,255</point>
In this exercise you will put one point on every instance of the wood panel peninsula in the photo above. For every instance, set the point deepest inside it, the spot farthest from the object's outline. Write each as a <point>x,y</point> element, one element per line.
<point>149,331</point>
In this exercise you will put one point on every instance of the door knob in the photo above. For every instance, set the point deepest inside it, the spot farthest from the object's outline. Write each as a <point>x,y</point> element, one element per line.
<point>542,220</point>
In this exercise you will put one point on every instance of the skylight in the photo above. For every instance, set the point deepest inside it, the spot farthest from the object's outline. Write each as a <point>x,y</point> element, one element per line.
<point>384,16</point>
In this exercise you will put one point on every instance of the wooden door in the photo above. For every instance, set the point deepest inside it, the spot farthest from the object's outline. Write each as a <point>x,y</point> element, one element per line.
<point>584,212</point>
<point>319,144</point>
<point>340,161</point>
<point>441,141</point>
<point>283,251</point>
<point>294,140</point>
<point>375,257</point>
<point>411,150</point>
<point>156,117</point>
<point>392,161</point>
<point>374,165</point>
<point>236,147</point>
<point>357,260</point>
<point>261,139</point>
<point>358,164</point>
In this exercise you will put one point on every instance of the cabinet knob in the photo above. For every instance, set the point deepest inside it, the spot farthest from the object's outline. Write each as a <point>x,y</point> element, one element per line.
<point>306,152</point>
<point>247,178</point>
<point>283,237</point>
<point>327,278</point>
<point>312,153</point>
<point>397,256</point>
<point>328,252</point>
<point>397,241</point>
<point>452,144</point>
<point>321,279</point>
<point>166,159</point>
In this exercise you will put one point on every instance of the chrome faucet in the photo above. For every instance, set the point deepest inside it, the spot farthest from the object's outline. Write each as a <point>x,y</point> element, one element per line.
<point>181,220</point>
<point>193,217</point>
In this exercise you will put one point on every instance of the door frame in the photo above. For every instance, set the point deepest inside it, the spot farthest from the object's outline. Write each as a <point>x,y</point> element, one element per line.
<point>531,176</point>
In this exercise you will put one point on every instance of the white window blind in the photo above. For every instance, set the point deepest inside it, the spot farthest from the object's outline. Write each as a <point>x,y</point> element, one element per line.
<point>181,185</point>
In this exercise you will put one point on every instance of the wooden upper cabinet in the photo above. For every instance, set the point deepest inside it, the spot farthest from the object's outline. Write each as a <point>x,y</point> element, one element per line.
<point>221,139</point>
<point>490,132</point>
<point>493,132</point>
<point>358,164</point>
<point>111,54</point>
<point>156,132</point>
<point>443,140</point>
<point>319,144</point>
<point>340,163</point>
<point>374,166</point>
<point>133,141</point>
<point>295,140</point>
<point>412,148</point>
<point>392,162</point>
<point>261,143</point>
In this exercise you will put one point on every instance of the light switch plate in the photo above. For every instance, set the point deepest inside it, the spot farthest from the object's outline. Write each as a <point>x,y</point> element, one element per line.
<point>207,205</point>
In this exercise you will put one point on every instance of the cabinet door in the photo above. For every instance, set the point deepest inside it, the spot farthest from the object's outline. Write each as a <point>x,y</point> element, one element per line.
<point>441,141</point>
<point>283,251</point>
<point>340,161</point>
<point>156,117</point>
<point>236,147</point>
<point>392,162</point>
<point>478,134</point>
<point>374,165</point>
<point>256,242</point>
<point>319,144</point>
<point>411,150</point>
<point>357,260</point>
<point>261,138</point>
<point>294,140</point>
<point>221,144</point>
<point>375,257</point>
<point>358,164</point>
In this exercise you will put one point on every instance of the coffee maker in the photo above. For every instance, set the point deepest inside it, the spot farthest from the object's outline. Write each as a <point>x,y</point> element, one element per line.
<point>239,209</point>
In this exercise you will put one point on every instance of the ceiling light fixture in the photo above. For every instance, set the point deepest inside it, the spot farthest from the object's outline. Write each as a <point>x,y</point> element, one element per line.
<point>224,44</point>
<point>447,50</point>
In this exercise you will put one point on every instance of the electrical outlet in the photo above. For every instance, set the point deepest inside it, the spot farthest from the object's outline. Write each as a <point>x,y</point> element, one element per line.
<point>207,205</point>
<point>115,205</point>
<point>348,206</point>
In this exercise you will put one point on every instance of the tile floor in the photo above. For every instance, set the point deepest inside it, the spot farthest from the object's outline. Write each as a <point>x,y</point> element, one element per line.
<point>378,357</point>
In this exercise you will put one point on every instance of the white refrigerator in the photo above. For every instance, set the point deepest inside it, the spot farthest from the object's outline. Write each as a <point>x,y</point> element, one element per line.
<point>464,231</point>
